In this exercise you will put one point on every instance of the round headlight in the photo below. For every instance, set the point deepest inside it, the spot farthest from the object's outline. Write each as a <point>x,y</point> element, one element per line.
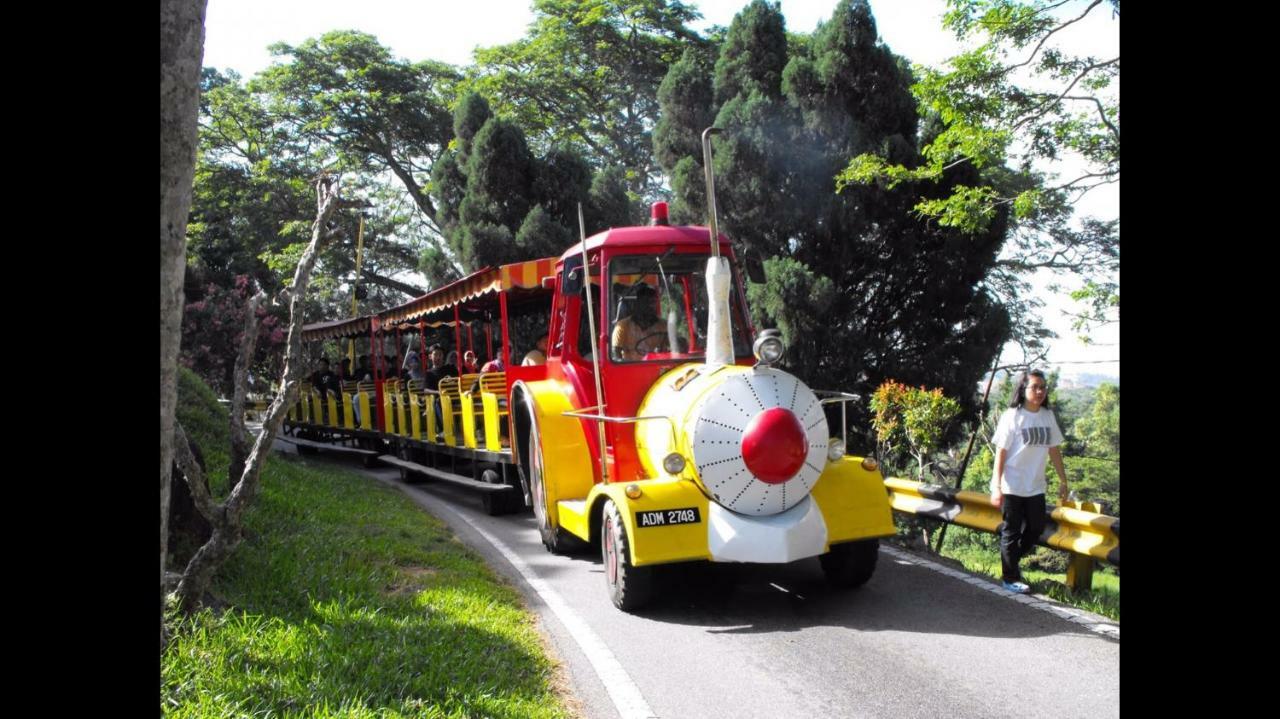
<point>835,449</point>
<point>673,463</point>
<point>632,491</point>
<point>870,464</point>
<point>768,347</point>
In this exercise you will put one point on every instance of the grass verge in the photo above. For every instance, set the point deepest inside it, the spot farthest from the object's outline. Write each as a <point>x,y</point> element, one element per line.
<point>347,600</point>
<point>979,553</point>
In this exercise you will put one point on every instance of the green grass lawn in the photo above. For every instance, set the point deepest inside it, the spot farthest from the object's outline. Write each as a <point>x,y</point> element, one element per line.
<point>347,600</point>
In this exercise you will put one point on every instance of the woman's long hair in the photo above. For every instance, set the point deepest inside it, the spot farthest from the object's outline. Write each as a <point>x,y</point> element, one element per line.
<point>1020,393</point>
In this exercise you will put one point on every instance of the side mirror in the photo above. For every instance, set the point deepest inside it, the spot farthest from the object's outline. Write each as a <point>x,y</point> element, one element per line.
<point>572,283</point>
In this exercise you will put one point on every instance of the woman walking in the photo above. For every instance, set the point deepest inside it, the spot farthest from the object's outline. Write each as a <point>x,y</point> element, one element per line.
<point>1025,437</point>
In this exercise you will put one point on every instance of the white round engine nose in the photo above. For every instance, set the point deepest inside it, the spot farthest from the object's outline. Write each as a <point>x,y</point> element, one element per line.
<point>720,426</point>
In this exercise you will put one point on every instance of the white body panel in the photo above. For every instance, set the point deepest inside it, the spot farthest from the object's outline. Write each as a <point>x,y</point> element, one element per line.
<point>794,534</point>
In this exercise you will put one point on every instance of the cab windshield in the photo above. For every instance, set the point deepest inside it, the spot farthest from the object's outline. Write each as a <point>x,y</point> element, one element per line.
<point>658,309</point>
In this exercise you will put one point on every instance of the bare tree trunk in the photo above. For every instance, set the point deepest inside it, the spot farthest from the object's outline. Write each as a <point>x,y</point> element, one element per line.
<point>227,518</point>
<point>181,54</point>
<point>239,384</point>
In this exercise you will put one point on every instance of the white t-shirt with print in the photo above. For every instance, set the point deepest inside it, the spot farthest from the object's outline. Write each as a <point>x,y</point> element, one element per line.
<point>1026,436</point>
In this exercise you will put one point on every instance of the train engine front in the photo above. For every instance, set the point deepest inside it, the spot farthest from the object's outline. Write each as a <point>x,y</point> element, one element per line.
<point>666,432</point>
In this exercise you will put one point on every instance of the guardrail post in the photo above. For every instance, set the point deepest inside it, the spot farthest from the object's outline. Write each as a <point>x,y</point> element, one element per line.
<point>1080,573</point>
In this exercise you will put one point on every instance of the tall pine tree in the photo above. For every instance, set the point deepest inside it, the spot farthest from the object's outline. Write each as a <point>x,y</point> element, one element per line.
<point>861,289</point>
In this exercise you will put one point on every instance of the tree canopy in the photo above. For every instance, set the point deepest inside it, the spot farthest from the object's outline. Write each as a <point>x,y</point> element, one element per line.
<point>862,290</point>
<point>586,76</point>
<point>1021,111</point>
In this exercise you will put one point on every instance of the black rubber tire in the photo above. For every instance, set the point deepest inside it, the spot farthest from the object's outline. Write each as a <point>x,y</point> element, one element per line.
<point>850,564</point>
<point>629,587</point>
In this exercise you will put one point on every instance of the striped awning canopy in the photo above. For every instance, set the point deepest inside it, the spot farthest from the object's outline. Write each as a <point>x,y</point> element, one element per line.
<point>474,295</point>
<point>336,329</point>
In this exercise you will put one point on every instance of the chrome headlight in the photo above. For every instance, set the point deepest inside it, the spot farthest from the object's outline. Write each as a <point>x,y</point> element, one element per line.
<point>768,347</point>
<point>673,463</point>
<point>835,449</point>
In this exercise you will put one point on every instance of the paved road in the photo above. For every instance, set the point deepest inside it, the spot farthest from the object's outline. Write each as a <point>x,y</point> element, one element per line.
<point>773,641</point>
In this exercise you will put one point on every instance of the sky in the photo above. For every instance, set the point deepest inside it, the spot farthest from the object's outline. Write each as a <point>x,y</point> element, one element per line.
<point>237,33</point>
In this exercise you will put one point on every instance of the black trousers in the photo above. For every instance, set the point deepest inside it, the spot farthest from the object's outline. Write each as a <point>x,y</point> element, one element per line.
<point>1023,522</point>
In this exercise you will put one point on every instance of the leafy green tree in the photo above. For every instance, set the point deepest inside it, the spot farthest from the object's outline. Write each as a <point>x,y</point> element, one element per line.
<point>505,204</point>
<point>253,179</point>
<point>1099,430</point>
<point>1018,99</point>
<point>687,109</point>
<point>862,290</point>
<point>587,76</point>
<point>378,112</point>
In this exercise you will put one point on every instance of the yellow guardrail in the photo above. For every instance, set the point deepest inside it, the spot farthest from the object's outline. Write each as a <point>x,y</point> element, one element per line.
<point>1077,527</point>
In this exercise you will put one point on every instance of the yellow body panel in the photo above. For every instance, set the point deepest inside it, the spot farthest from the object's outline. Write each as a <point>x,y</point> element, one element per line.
<point>468,420</point>
<point>386,412</point>
<point>492,432</point>
<point>654,545</point>
<point>853,501</point>
<point>566,461</point>
<point>366,415</point>
<point>446,413</point>
<point>417,416</point>
<point>348,414</point>
<point>316,416</point>
<point>333,410</point>
<point>432,431</point>
<point>402,426</point>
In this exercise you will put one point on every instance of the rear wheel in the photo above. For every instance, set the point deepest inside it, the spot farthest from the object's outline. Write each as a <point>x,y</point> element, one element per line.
<point>850,564</point>
<point>630,587</point>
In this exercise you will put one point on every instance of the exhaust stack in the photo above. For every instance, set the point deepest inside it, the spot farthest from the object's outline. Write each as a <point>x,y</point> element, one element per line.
<point>719,343</point>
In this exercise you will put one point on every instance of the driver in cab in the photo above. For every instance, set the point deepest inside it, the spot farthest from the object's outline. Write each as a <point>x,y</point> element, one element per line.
<point>638,330</point>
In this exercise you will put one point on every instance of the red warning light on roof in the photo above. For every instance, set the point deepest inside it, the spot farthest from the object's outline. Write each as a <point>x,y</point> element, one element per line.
<point>658,214</point>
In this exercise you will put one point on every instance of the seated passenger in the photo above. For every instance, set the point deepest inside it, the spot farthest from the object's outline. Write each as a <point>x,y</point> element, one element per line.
<point>412,368</point>
<point>638,331</point>
<point>323,380</point>
<point>537,355</point>
<point>469,362</point>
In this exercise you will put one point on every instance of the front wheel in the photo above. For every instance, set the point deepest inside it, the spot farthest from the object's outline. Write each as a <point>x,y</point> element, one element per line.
<point>555,539</point>
<point>850,564</point>
<point>629,586</point>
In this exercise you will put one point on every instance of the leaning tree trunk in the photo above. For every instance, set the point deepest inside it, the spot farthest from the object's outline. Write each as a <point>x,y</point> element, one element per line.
<point>181,54</point>
<point>246,464</point>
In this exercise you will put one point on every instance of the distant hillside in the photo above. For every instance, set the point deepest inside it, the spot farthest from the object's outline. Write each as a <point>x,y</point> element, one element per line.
<point>1086,379</point>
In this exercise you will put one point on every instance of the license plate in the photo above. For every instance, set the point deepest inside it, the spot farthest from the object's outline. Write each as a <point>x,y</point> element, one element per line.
<point>668,517</point>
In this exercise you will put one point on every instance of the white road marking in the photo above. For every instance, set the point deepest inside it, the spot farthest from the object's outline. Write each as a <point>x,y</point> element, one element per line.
<point>1088,620</point>
<point>626,696</point>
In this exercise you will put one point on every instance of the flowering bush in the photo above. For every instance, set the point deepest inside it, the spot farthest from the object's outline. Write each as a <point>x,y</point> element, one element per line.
<point>213,327</point>
<point>911,418</point>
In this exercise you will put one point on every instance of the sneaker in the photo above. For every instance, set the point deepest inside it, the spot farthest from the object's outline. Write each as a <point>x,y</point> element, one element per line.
<point>1017,587</point>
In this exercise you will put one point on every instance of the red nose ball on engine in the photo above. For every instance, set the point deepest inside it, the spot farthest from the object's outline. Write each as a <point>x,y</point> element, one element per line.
<point>774,445</point>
